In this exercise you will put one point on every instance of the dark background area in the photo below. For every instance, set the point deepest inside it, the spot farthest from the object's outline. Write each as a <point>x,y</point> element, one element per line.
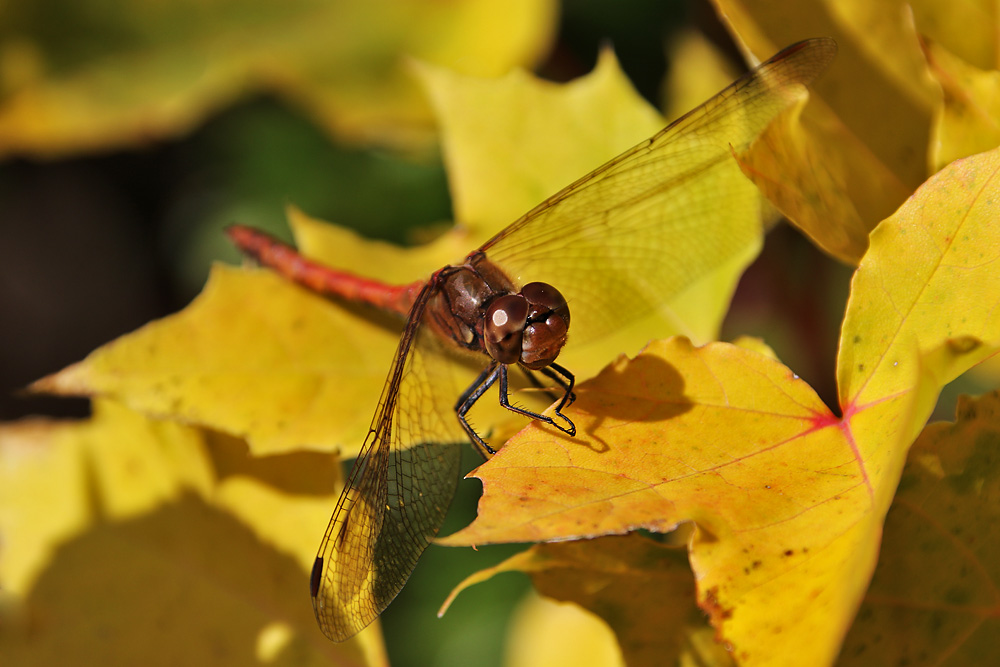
<point>95,246</point>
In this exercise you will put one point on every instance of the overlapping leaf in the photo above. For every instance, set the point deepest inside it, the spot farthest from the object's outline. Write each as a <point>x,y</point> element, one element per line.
<point>963,53</point>
<point>855,161</point>
<point>788,497</point>
<point>967,30</point>
<point>543,632</point>
<point>697,71</point>
<point>644,590</point>
<point>935,593</point>
<point>969,119</point>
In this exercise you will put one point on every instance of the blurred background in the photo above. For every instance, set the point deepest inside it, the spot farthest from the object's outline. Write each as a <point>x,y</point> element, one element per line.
<point>102,233</point>
<point>96,240</point>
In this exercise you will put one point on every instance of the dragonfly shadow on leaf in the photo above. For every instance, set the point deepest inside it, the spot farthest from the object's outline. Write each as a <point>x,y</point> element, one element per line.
<point>304,473</point>
<point>644,389</point>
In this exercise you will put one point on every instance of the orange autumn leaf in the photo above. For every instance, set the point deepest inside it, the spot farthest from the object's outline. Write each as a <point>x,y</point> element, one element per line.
<point>618,459</point>
<point>787,496</point>
<point>933,598</point>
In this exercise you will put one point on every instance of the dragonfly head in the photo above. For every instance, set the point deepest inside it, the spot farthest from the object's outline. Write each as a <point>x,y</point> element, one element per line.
<point>528,328</point>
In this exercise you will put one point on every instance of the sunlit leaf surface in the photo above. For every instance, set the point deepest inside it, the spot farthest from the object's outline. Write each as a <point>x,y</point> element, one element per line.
<point>253,356</point>
<point>788,497</point>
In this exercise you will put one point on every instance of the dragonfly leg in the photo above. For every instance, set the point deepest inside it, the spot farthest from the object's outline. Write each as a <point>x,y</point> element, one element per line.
<point>564,379</point>
<point>566,382</point>
<point>488,378</point>
<point>564,386</point>
<point>469,398</point>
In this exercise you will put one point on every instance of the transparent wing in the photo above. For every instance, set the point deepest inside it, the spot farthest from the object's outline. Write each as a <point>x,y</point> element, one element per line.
<point>641,228</point>
<point>399,490</point>
<point>616,243</point>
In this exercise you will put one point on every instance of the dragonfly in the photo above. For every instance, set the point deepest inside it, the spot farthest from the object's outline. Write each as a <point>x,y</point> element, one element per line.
<point>600,247</point>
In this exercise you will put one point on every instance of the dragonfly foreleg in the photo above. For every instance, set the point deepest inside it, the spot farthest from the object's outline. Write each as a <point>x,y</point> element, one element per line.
<point>496,371</point>
<point>565,387</point>
<point>566,382</point>
<point>469,398</point>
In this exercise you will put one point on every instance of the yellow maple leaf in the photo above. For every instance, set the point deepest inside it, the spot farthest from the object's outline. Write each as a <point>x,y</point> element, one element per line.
<point>788,497</point>
<point>252,356</point>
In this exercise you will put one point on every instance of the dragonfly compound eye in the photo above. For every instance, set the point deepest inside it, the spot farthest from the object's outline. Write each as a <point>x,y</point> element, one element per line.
<point>504,326</point>
<point>548,323</point>
<point>543,300</point>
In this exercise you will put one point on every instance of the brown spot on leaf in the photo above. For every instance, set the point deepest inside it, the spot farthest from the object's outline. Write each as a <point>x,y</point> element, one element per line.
<point>710,605</point>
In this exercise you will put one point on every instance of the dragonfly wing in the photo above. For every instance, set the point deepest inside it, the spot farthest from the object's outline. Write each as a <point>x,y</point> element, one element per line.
<point>399,490</point>
<point>640,229</point>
